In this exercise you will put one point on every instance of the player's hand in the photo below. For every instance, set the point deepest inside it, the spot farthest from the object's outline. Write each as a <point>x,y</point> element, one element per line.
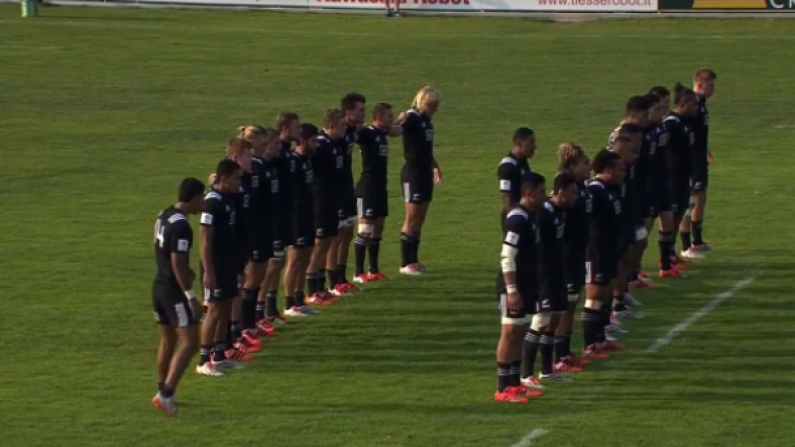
<point>437,176</point>
<point>514,303</point>
<point>709,157</point>
<point>209,281</point>
<point>401,118</point>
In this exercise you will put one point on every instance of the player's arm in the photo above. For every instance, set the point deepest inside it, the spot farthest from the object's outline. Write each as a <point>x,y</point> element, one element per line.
<point>508,264</point>
<point>438,178</point>
<point>505,174</point>
<point>207,235</point>
<point>180,250</point>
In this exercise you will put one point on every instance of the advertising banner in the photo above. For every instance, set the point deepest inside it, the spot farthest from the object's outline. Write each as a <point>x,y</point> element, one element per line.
<point>744,5</point>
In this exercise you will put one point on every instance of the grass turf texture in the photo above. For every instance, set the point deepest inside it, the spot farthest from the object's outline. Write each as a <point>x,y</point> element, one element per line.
<point>104,111</point>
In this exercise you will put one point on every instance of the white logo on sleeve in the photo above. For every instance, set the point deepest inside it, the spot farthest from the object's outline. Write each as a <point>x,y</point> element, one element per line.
<point>207,219</point>
<point>182,245</point>
<point>505,185</point>
<point>512,238</point>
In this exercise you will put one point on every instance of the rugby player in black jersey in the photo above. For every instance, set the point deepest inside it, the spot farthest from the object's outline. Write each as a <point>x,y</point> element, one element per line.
<point>219,260</point>
<point>660,186</point>
<point>327,165</point>
<point>353,107</point>
<point>517,288</point>
<point>371,192</point>
<point>552,298</point>
<point>288,124</point>
<point>704,87</point>
<point>173,297</point>
<point>573,160</point>
<point>419,175</point>
<point>267,312</point>
<point>513,166</point>
<point>259,235</point>
<point>302,241</point>
<point>681,145</point>
<point>604,252</point>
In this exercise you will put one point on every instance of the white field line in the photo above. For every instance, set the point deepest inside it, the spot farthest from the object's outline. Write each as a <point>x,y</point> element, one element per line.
<point>697,315</point>
<point>528,439</point>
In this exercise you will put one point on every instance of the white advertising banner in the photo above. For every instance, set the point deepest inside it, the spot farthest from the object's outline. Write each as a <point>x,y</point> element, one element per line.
<point>443,5</point>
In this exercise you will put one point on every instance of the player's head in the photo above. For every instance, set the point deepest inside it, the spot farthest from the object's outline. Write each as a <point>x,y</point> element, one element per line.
<point>626,147</point>
<point>427,100</point>
<point>289,126</point>
<point>256,135</point>
<point>533,190</point>
<point>271,143</point>
<point>573,159</point>
<point>609,167</point>
<point>637,110</point>
<point>353,106</point>
<point>663,104</point>
<point>564,190</point>
<point>524,140</point>
<point>655,117</point>
<point>685,101</point>
<point>308,138</point>
<point>191,193</point>
<point>227,176</point>
<point>704,82</point>
<point>383,117</point>
<point>241,151</point>
<point>334,123</point>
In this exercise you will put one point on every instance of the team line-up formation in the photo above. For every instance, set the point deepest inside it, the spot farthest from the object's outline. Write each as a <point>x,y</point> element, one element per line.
<point>284,202</point>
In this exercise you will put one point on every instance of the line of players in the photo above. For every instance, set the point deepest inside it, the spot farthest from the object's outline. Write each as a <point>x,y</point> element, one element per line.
<point>283,201</point>
<point>592,231</point>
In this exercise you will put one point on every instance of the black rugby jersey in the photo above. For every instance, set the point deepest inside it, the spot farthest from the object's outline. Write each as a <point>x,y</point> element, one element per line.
<point>681,141</point>
<point>607,228</point>
<point>328,168</point>
<point>418,140</point>
<point>510,172</point>
<point>578,222</point>
<point>374,148</point>
<point>219,213</point>
<point>520,231</point>
<point>172,235</point>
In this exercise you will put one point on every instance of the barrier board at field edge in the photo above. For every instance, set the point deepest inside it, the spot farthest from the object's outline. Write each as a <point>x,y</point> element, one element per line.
<point>444,5</point>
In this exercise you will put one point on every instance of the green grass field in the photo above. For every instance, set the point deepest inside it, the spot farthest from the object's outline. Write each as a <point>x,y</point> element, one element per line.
<point>102,112</point>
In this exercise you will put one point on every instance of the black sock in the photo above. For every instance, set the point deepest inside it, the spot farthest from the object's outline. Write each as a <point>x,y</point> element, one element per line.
<point>260,311</point>
<point>503,376</point>
<point>300,299</point>
<point>618,303</point>
<point>235,330</point>
<point>562,347</point>
<point>160,386</point>
<point>590,325</point>
<point>249,311</point>
<point>698,229</point>
<point>332,278</point>
<point>311,283</point>
<point>204,354</point>
<point>360,249</point>
<point>547,347</point>
<point>406,246</point>
<point>343,270</point>
<point>373,248</point>
<point>516,369</point>
<point>270,303</point>
<point>167,392</point>
<point>664,240</point>
<point>415,252</point>
<point>321,280</point>
<point>218,351</point>
<point>604,320</point>
<point>529,352</point>
<point>685,236</point>
<point>289,301</point>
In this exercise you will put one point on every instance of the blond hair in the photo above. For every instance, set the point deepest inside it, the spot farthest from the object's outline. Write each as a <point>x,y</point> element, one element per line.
<point>251,132</point>
<point>425,96</point>
<point>568,154</point>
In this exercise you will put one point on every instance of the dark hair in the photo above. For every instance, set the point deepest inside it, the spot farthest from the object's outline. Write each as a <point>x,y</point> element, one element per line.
<point>381,108</point>
<point>331,117</point>
<point>190,188</point>
<point>653,99</point>
<point>604,160</point>
<point>522,134</point>
<point>629,128</point>
<point>705,74</point>
<point>660,91</point>
<point>350,100</point>
<point>308,131</point>
<point>683,94</point>
<point>270,132</point>
<point>284,119</point>
<point>531,181</point>
<point>236,145</point>
<point>638,104</point>
<point>562,181</point>
<point>226,168</point>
